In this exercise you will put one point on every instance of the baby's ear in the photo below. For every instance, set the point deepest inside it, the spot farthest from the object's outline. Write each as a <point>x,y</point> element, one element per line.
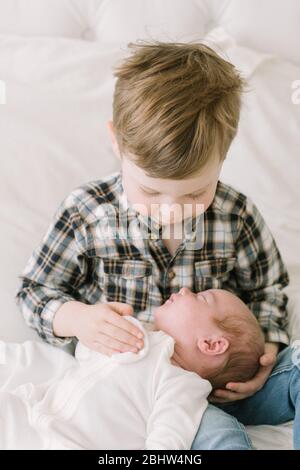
<point>213,346</point>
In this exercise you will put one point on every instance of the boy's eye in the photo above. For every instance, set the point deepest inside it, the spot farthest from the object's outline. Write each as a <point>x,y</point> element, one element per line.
<point>191,196</point>
<point>195,196</point>
<point>149,194</point>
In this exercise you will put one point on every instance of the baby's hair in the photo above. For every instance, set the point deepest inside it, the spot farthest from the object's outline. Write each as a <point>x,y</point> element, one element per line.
<point>246,345</point>
<point>176,106</point>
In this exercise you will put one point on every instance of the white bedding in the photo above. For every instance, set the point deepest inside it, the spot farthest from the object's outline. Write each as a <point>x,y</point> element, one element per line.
<point>56,58</point>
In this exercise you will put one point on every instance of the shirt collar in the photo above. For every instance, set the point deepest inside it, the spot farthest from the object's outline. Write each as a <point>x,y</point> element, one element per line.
<point>83,353</point>
<point>128,357</point>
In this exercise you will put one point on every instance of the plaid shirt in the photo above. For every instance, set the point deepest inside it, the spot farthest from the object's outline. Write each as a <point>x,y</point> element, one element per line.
<point>77,260</point>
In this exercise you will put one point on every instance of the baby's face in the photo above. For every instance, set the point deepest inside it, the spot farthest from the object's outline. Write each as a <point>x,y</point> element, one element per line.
<point>186,312</point>
<point>186,316</point>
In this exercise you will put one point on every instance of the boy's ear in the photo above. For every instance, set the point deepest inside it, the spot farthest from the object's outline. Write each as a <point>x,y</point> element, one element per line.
<point>213,346</point>
<point>112,135</point>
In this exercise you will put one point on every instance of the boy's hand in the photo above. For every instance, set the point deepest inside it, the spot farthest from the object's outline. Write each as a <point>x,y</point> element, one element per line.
<point>240,390</point>
<point>101,327</point>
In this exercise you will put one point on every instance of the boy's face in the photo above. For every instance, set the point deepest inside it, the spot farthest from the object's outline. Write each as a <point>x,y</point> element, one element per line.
<point>168,200</point>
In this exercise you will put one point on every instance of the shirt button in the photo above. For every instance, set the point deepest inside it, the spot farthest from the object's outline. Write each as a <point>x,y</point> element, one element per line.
<point>171,274</point>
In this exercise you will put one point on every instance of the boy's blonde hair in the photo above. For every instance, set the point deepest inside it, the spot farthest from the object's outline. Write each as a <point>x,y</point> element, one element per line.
<point>175,107</point>
<point>246,346</point>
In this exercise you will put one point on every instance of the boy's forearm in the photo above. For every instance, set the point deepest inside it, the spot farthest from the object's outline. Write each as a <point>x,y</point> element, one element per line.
<point>261,275</point>
<point>44,291</point>
<point>66,318</point>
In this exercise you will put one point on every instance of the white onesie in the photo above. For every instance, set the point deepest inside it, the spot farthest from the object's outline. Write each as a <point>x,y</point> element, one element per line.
<point>126,401</point>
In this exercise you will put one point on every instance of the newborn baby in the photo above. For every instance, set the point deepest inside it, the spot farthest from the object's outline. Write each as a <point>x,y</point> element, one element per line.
<point>215,334</point>
<point>153,399</point>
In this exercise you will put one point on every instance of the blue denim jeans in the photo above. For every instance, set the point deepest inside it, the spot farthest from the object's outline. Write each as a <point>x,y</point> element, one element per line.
<point>222,425</point>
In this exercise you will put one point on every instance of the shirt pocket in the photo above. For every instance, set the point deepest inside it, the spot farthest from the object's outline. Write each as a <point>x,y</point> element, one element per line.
<point>213,274</point>
<point>126,281</point>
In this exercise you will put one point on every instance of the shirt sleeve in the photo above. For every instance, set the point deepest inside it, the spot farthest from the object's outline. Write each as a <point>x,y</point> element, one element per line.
<point>261,275</point>
<point>180,399</point>
<point>54,273</point>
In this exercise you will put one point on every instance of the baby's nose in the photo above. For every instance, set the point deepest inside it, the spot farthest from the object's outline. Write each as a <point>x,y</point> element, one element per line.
<point>184,291</point>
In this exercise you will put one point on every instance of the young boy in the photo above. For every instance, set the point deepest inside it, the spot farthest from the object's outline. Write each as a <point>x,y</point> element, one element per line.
<point>158,395</point>
<point>175,113</point>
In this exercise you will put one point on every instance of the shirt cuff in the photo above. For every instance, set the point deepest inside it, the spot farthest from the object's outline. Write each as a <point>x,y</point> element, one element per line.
<point>276,335</point>
<point>47,318</point>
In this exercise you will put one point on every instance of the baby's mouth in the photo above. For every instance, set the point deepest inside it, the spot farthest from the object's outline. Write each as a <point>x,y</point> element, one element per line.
<point>170,299</point>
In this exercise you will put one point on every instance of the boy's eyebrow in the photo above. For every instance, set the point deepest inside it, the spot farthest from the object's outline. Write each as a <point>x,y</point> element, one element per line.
<point>193,192</point>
